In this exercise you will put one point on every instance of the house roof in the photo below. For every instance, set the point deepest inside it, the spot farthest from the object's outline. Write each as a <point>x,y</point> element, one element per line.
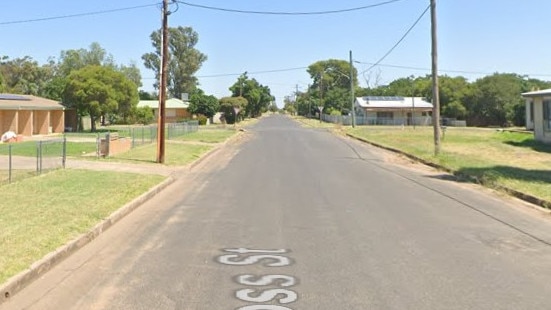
<point>27,102</point>
<point>391,103</point>
<point>172,103</point>
<point>538,93</point>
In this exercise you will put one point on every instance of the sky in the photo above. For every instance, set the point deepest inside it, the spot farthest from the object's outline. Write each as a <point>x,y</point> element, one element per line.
<point>475,37</point>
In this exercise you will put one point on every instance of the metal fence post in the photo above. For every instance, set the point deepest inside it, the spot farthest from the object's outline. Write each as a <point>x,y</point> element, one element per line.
<point>9,163</point>
<point>40,157</point>
<point>64,154</point>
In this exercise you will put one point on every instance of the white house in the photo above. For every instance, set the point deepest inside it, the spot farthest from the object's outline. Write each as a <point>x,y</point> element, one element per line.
<point>393,110</point>
<point>538,114</point>
<point>176,109</point>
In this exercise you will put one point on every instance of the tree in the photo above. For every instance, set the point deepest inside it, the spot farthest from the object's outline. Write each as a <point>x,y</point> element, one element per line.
<point>97,91</point>
<point>331,83</point>
<point>258,96</point>
<point>227,106</point>
<point>24,75</point>
<point>184,60</point>
<point>147,95</point>
<point>70,60</point>
<point>203,104</point>
<point>143,115</point>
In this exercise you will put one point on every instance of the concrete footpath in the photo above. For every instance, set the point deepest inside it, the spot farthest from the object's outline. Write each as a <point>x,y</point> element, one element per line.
<point>19,281</point>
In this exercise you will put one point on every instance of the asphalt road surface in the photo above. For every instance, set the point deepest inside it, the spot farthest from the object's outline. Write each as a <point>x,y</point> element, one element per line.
<point>298,218</point>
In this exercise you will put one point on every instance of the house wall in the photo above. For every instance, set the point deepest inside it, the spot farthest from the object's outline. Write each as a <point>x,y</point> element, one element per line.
<point>399,117</point>
<point>529,114</point>
<point>539,133</point>
<point>25,125</point>
<point>41,121</point>
<point>8,121</point>
<point>57,121</point>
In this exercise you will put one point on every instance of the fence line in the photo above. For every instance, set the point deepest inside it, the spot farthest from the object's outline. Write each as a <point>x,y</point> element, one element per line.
<point>346,120</point>
<point>19,161</point>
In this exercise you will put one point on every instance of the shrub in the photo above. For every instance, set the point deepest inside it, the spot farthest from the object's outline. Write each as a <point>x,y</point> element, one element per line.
<point>202,119</point>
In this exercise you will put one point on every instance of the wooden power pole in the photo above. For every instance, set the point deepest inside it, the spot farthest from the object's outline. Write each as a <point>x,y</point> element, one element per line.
<point>435,89</point>
<point>162,87</point>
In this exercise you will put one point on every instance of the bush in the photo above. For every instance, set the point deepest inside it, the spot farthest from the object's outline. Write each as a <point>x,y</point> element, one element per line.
<point>202,119</point>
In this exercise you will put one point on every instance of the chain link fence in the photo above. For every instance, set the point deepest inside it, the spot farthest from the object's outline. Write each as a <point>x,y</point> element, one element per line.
<point>148,134</point>
<point>22,160</point>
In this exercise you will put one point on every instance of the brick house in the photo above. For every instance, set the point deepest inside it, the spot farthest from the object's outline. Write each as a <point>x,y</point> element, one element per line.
<point>28,115</point>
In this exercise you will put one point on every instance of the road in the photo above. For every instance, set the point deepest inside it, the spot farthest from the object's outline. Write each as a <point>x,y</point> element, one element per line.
<point>298,218</point>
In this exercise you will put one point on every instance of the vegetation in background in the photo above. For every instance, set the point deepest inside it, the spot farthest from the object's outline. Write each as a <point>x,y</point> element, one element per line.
<point>185,60</point>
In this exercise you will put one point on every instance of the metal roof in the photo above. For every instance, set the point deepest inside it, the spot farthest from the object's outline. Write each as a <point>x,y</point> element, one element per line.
<point>538,93</point>
<point>172,103</point>
<point>27,102</point>
<point>392,102</point>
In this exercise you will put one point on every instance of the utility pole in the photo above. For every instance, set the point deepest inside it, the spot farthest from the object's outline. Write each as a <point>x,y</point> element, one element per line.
<point>162,87</point>
<point>352,110</point>
<point>435,90</point>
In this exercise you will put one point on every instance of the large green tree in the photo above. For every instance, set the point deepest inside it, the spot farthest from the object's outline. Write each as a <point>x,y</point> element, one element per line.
<point>24,75</point>
<point>228,106</point>
<point>331,83</point>
<point>184,60</point>
<point>97,91</point>
<point>200,103</point>
<point>258,96</point>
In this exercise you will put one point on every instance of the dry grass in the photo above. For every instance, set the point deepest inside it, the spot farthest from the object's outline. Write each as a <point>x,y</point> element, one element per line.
<point>497,158</point>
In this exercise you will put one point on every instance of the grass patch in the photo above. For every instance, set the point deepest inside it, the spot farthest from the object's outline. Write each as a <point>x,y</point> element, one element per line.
<point>496,158</point>
<point>37,215</point>
<point>176,154</point>
<point>29,148</point>
<point>208,135</point>
<point>315,123</point>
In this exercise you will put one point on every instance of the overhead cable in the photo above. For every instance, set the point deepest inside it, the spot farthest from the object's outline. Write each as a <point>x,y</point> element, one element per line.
<point>289,13</point>
<point>399,41</point>
<point>77,15</point>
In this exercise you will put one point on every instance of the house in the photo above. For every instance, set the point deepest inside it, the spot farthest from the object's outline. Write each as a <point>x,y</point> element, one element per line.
<point>393,110</point>
<point>175,109</point>
<point>538,114</point>
<point>28,115</point>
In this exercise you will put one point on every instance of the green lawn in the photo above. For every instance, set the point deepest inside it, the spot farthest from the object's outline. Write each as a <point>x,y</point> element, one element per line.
<point>176,154</point>
<point>37,215</point>
<point>208,135</point>
<point>29,148</point>
<point>510,159</point>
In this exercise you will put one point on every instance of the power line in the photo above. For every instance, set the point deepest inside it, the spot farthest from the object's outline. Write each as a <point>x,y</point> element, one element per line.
<point>77,15</point>
<point>256,72</point>
<point>443,70</point>
<point>399,41</point>
<point>289,13</point>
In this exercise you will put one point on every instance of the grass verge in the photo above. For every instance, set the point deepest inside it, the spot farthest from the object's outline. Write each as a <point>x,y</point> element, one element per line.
<point>496,158</point>
<point>176,154</point>
<point>38,215</point>
<point>208,135</point>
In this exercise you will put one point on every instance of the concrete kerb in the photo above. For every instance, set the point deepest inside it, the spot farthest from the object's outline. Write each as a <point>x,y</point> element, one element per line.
<point>24,278</point>
<point>537,203</point>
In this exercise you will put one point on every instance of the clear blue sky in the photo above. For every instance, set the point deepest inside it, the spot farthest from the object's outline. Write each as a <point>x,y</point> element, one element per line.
<point>474,36</point>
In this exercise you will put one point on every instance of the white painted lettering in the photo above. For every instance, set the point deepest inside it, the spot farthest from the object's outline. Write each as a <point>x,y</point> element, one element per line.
<point>245,250</point>
<point>264,307</point>
<point>235,259</point>
<point>283,280</point>
<point>267,295</point>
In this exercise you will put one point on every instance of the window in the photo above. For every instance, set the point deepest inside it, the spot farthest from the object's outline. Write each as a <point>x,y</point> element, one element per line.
<point>547,114</point>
